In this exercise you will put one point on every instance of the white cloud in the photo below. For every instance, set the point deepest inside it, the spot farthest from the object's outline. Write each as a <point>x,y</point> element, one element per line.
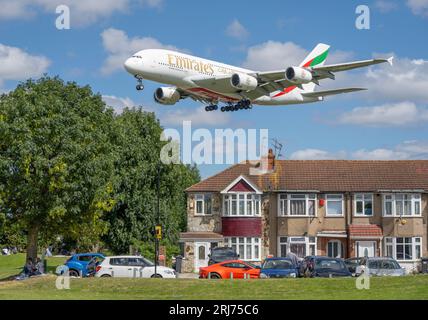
<point>406,80</point>
<point>316,154</point>
<point>379,154</point>
<point>237,30</point>
<point>83,12</point>
<point>418,7</point>
<point>404,151</point>
<point>120,47</point>
<point>16,64</point>
<point>274,55</point>
<point>398,114</point>
<point>118,103</point>
<point>386,6</point>
<point>198,117</point>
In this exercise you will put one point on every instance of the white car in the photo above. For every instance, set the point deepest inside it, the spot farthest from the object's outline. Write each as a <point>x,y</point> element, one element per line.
<point>132,267</point>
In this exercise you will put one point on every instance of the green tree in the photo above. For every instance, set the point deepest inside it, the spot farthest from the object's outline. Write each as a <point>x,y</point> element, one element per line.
<point>55,159</point>
<point>137,146</point>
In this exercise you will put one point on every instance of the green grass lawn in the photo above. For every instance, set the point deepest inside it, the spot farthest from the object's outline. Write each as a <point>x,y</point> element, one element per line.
<point>409,287</point>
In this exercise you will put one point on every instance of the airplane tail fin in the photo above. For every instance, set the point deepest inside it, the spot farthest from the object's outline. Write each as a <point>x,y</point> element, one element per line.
<point>317,57</point>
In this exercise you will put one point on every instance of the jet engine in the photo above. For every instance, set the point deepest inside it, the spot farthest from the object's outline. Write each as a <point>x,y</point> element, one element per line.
<point>298,75</point>
<point>242,81</point>
<point>167,95</point>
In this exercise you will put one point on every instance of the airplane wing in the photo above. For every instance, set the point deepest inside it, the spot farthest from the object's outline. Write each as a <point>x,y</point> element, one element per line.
<point>330,92</point>
<point>325,71</point>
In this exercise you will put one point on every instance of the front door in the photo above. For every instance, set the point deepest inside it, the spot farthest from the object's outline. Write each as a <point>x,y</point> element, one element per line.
<point>366,248</point>
<point>202,250</point>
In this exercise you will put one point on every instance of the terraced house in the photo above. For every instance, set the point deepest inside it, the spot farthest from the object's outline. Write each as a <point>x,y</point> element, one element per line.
<point>337,208</point>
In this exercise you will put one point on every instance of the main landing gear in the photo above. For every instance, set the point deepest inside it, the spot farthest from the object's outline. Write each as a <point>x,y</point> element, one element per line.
<point>243,104</point>
<point>140,85</point>
<point>211,107</point>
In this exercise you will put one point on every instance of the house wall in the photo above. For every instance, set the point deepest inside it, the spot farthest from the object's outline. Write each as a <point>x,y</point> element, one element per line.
<point>211,223</point>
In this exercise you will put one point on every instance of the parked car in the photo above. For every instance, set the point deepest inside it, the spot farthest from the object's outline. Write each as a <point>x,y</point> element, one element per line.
<point>325,267</point>
<point>82,264</point>
<point>220,254</point>
<point>352,264</point>
<point>279,268</point>
<point>380,266</point>
<point>132,267</point>
<point>223,270</point>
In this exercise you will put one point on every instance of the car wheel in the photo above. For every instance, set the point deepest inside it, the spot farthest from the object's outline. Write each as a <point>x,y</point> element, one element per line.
<point>156,276</point>
<point>215,276</point>
<point>106,276</point>
<point>74,273</point>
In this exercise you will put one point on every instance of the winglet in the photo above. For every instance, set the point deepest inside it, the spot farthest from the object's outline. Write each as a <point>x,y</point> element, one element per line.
<point>390,60</point>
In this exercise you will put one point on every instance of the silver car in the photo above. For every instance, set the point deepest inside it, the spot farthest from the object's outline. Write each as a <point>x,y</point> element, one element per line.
<point>379,266</point>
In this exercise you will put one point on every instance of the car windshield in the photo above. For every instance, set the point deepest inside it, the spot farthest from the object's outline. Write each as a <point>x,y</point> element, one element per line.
<point>277,264</point>
<point>328,264</point>
<point>223,253</point>
<point>147,262</point>
<point>252,265</point>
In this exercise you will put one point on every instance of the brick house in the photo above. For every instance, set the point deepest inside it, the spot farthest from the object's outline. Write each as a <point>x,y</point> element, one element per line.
<point>337,208</point>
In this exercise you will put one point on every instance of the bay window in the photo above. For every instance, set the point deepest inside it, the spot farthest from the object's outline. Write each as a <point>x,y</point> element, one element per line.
<point>248,248</point>
<point>297,204</point>
<point>300,246</point>
<point>241,204</point>
<point>403,248</point>
<point>363,204</point>
<point>334,205</point>
<point>203,204</point>
<point>401,204</point>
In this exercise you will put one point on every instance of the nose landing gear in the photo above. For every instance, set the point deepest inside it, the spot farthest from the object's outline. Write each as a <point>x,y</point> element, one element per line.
<point>139,85</point>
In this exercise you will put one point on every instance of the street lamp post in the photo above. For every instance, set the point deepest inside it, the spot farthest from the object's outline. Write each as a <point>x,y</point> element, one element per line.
<point>157,221</point>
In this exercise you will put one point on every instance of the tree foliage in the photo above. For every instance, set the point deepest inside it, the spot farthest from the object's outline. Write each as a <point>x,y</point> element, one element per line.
<point>134,216</point>
<point>55,159</point>
<point>70,167</point>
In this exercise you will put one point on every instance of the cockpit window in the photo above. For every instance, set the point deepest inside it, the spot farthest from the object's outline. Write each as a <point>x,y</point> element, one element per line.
<point>139,57</point>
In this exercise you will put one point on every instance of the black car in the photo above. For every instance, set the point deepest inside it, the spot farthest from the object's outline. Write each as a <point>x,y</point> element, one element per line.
<point>325,267</point>
<point>220,254</point>
<point>352,264</point>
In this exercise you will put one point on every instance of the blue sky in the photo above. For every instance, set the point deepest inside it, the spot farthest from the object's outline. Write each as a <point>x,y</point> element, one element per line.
<point>389,121</point>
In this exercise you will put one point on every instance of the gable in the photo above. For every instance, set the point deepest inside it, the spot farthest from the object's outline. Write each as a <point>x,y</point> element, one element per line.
<point>241,186</point>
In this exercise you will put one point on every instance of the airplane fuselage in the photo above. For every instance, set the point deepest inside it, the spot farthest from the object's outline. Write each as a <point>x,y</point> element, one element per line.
<point>182,70</point>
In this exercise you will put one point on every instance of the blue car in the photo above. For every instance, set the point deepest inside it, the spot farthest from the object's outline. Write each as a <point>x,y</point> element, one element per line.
<point>279,268</point>
<point>83,264</point>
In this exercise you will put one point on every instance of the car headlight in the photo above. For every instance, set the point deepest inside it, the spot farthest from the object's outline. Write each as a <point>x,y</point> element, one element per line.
<point>293,275</point>
<point>263,275</point>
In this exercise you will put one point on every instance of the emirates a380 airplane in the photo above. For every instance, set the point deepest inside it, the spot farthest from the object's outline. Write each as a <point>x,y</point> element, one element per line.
<point>213,82</point>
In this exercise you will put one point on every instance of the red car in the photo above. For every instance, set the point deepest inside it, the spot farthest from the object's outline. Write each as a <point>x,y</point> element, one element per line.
<point>223,270</point>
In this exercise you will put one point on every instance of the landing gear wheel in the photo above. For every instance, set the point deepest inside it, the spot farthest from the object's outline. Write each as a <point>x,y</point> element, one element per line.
<point>223,109</point>
<point>140,87</point>
<point>207,108</point>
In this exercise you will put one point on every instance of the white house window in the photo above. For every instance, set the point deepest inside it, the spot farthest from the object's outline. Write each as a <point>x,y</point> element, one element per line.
<point>248,248</point>
<point>334,205</point>
<point>401,204</point>
<point>403,248</point>
<point>241,204</point>
<point>363,204</point>
<point>297,204</point>
<point>300,246</point>
<point>203,204</point>
<point>334,249</point>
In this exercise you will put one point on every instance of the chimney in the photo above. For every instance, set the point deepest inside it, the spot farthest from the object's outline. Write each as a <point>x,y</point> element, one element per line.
<point>271,160</point>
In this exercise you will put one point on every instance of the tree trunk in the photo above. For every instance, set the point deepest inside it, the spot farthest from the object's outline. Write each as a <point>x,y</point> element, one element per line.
<point>32,239</point>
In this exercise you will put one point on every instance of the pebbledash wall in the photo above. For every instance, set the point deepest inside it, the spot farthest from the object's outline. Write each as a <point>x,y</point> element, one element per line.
<point>327,196</point>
